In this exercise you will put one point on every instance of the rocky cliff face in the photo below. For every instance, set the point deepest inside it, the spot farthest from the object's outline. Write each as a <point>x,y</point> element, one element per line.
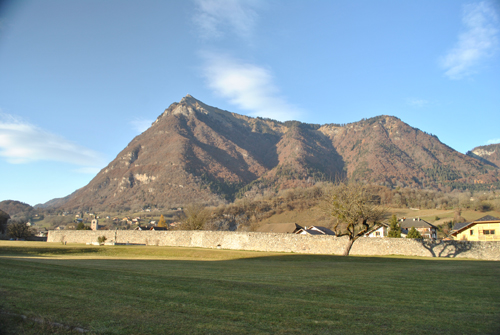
<point>197,153</point>
<point>489,154</point>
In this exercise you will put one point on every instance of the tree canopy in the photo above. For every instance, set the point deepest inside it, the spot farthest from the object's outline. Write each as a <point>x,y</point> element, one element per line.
<point>353,209</point>
<point>19,229</point>
<point>194,217</point>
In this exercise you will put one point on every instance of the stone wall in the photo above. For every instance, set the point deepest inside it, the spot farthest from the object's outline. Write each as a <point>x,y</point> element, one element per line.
<point>306,244</point>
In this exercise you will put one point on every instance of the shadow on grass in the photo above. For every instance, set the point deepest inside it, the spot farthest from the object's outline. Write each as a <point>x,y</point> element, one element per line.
<point>262,293</point>
<point>43,251</point>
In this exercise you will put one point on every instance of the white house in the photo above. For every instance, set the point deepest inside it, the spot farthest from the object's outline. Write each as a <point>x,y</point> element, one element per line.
<point>379,230</point>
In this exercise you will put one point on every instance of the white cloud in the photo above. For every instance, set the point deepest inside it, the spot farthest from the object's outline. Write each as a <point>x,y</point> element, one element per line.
<point>478,42</point>
<point>21,142</point>
<point>141,125</point>
<point>418,102</point>
<point>216,17</point>
<point>248,86</point>
<point>493,141</point>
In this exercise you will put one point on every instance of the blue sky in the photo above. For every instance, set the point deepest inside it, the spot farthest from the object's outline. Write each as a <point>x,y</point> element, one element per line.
<point>80,79</point>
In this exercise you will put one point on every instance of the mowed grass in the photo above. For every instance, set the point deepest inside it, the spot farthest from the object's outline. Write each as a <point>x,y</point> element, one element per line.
<point>164,290</point>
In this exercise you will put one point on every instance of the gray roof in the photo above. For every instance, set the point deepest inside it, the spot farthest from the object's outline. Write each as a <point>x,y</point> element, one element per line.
<point>460,225</point>
<point>317,230</point>
<point>325,230</point>
<point>487,218</point>
<point>415,222</point>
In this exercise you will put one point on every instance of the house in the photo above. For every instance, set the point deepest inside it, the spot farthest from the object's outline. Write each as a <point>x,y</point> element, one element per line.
<point>284,228</point>
<point>142,228</point>
<point>426,229</point>
<point>315,230</point>
<point>378,230</point>
<point>486,228</point>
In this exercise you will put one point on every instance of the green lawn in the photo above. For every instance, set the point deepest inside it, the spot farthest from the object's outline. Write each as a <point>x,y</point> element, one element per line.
<point>157,290</point>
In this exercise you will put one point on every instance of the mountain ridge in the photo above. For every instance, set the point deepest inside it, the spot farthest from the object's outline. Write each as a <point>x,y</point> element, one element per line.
<point>194,152</point>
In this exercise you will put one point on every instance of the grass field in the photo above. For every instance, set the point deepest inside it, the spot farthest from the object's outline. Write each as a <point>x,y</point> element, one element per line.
<point>162,290</point>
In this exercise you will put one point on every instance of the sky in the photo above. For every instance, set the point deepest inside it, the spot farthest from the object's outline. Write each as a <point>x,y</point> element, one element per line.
<point>80,79</point>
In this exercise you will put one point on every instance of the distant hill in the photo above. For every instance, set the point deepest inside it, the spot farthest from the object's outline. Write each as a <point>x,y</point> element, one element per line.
<point>487,153</point>
<point>54,203</point>
<point>197,153</point>
<point>13,207</point>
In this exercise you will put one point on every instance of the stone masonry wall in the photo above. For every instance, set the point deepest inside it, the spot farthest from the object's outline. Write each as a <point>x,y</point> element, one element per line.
<point>276,242</point>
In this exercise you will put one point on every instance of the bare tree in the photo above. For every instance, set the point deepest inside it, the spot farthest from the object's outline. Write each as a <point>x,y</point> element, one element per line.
<point>353,209</point>
<point>194,217</point>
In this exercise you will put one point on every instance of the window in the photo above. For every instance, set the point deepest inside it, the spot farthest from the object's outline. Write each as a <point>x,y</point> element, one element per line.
<point>489,232</point>
<point>472,232</point>
<point>377,233</point>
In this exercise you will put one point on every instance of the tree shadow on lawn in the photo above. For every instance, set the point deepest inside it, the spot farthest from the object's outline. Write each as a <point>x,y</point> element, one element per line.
<point>193,290</point>
<point>46,252</point>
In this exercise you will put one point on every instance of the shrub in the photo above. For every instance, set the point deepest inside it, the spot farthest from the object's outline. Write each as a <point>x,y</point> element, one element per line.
<point>82,226</point>
<point>101,239</point>
<point>413,233</point>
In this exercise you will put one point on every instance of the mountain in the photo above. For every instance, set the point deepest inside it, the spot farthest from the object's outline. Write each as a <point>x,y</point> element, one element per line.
<point>197,153</point>
<point>13,207</point>
<point>489,154</point>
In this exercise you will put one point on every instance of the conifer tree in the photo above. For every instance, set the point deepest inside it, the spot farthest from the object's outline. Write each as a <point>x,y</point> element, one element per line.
<point>394,228</point>
<point>413,233</point>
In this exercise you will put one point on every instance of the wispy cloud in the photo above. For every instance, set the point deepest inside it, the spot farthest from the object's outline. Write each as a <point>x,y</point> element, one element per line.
<point>248,86</point>
<point>493,141</point>
<point>215,18</point>
<point>418,102</point>
<point>21,142</point>
<point>141,125</point>
<point>478,42</point>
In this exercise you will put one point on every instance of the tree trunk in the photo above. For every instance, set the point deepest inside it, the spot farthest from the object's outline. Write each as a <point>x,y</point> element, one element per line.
<point>348,247</point>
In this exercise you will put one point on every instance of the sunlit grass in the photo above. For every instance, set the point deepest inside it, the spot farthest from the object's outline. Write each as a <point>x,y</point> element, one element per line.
<point>148,290</point>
